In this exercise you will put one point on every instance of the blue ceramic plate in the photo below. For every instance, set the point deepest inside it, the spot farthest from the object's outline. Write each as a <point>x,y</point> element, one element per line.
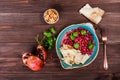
<point>87,26</point>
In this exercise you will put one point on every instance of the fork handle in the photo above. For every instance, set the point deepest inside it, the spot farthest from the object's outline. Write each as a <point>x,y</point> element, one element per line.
<point>105,58</point>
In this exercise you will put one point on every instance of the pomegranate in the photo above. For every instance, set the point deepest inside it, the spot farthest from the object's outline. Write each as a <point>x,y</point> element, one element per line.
<point>35,62</point>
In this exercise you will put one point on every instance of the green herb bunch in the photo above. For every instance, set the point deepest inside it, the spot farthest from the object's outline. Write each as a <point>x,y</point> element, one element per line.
<point>48,39</point>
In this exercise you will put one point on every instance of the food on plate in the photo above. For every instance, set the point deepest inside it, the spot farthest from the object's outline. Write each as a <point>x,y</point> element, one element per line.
<point>72,56</point>
<point>36,61</point>
<point>93,14</point>
<point>51,16</point>
<point>77,46</point>
<point>81,39</point>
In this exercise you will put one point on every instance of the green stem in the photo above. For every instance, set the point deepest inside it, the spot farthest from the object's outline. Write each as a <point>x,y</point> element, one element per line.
<point>42,39</point>
<point>37,39</point>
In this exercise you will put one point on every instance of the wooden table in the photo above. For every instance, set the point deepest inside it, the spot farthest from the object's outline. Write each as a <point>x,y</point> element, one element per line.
<point>22,20</point>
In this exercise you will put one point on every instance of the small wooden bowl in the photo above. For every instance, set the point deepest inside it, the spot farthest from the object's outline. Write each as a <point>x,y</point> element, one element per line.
<point>51,16</point>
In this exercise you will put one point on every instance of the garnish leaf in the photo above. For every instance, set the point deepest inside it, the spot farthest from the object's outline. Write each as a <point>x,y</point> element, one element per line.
<point>52,30</point>
<point>76,45</point>
<point>47,34</point>
<point>75,34</point>
<point>72,37</point>
<point>48,39</point>
<point>83,32</point>
<point>91,46</point>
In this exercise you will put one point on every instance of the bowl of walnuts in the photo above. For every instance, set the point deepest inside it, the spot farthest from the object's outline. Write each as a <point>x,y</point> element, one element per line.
<point>51,16</point>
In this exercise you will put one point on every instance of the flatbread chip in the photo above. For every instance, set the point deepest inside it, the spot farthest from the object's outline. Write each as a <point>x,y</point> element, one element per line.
<point>93,14</point>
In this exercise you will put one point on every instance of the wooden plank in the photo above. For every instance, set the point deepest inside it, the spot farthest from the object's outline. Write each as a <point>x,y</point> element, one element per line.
<point>56,76</point>
<point>25,76</point>
<point>40,7</point>
<point>27,33</point>
<point>65,18</point>
<point>73,3</point>
<point>10,57</point>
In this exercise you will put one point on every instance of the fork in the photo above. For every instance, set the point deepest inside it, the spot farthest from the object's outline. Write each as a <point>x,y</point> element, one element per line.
<point>104,39</point>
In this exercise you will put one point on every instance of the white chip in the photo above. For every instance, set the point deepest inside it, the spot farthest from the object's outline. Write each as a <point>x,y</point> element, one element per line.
<point>93,14</point>
<point>85,58</point>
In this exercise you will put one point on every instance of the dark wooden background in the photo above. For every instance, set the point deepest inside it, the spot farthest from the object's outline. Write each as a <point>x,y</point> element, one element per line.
<point>22,20</point>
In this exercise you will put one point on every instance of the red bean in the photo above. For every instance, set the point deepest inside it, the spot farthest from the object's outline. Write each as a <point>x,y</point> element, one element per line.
<point>82,40</point>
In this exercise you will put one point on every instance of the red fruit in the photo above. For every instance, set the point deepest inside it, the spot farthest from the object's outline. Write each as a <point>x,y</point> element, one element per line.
<point>42,52</point>
<point>35,63</point>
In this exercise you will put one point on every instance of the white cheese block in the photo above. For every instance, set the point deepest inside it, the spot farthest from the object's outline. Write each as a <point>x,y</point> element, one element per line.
<point>78,58</point>
<point>93,14</point>
<point>85,58</point>
<point>73,56</point>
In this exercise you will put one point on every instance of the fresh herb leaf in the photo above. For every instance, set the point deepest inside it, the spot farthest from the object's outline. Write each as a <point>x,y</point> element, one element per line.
<point>48,39</point>
<point>45,43</point>
<point>91,46</point>
<point>54,38</point>
<point>47,34</point>
<point>75,34</point>
<point>72,37</point>
<point>76,45</point>
<point>83,32</point>
<point>52,30</point>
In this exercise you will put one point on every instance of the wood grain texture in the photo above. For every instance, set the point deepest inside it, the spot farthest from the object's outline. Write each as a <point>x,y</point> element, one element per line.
<point>22,20</point>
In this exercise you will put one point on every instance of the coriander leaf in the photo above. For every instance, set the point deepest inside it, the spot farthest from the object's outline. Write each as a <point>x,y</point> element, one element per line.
<point>75,34</point>
<point>47,34</point>
<point>83,32</point>
<point>91,46</point>
<point>76,45</point>
<point>72,37</point>
<point>54,38</point>
<point>52,30</point>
